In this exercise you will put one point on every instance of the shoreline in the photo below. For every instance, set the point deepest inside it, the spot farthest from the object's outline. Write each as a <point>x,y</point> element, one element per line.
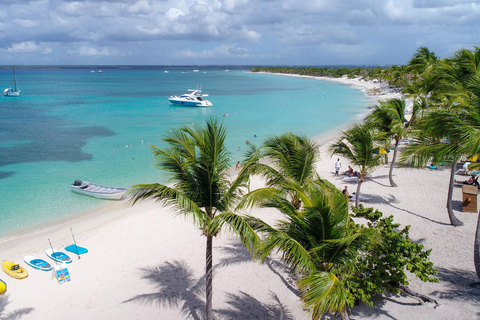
<point>321,139</point>
<point>147,261</point>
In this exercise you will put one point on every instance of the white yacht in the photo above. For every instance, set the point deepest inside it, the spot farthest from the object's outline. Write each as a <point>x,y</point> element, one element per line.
<point>193,98</point>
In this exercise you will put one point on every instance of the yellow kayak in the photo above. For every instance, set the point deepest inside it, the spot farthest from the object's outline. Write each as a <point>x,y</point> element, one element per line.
<point>3,286</point>
<point>14,270</point>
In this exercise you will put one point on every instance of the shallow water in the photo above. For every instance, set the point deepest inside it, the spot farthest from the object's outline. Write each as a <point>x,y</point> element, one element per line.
<point>74,124</point>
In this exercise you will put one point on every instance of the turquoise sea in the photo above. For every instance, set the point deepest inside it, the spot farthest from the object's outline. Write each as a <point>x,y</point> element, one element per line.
<point>76,124</point>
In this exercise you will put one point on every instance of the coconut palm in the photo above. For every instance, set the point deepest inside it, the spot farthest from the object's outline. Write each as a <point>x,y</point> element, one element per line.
<point>389,117</point>
<point>291,158</point>
<point>316,241</point>
<point>197,161</point>
<point>358,144</point>
<point>423,63</point>
<point>443,136</point>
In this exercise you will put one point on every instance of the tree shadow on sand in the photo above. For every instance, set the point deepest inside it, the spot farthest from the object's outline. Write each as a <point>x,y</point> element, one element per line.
<point>363,311</point>
<point>461,285</point>
<point>175,287</point>
<point>244,306</point>
<point>235,253</point>
<point>16,314</point>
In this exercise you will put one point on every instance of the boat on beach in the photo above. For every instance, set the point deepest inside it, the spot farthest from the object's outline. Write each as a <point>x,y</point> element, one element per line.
<point>97,191</point>
<point>12,92</point>
<point>14,270</point>
<point>193,98</point>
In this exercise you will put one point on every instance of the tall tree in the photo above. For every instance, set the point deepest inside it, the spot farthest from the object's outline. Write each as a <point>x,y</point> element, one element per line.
<point>389,117</point>
<point>198,162</point>
<point>290,158</point>
<point>358,144</point>
<point>316,241</point>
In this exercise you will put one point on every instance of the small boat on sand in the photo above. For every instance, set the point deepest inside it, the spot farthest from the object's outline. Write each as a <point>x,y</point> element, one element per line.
<point>97,191</point>
<point>14,270</point>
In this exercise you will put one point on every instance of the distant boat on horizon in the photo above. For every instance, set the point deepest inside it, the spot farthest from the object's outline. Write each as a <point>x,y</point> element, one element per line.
<point>226,70</point>
<point>9,92</point>
<point>166,71</point>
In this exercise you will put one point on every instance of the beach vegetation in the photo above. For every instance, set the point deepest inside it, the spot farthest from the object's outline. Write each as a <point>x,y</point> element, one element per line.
<point>359,145</point>
<point>197,162</point>
<point>448,131</point>
<point>291,160</point>
<point>389,117</point>
<point>340,262</point>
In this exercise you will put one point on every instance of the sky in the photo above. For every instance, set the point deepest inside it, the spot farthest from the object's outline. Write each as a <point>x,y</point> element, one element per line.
<point>233,32</point>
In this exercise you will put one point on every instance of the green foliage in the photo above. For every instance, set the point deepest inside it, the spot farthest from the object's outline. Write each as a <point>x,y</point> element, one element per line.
<point>385,258</point>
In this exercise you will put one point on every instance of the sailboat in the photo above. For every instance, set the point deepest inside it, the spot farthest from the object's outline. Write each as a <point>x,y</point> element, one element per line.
<point>9,92</point>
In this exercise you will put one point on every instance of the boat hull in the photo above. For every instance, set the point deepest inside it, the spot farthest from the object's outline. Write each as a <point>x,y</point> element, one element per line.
<point>11,93</point>
<point>20,273</point>
<point>204,103</point>
<point>98,191</point>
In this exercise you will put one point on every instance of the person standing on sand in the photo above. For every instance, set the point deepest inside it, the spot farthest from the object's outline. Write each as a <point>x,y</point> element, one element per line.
<point>338,165</point>
<point>237,166</point>
<point>345,192</point>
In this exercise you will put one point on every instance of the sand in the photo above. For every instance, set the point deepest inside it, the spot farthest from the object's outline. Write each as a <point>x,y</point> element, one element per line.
<point>147,262</point>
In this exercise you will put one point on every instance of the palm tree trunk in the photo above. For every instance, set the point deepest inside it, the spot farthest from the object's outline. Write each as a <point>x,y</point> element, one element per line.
<point>453,220</point>
<point>476,254</point>
<point>344,314</point>
<point>390,173</point>
<point>360,180</point>
<point>209,277</point>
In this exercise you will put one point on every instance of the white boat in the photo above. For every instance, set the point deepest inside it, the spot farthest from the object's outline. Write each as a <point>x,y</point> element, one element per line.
<point>97,191</point>
<point>193,98</point>
<point>15,92</point>
<point>166,71</point>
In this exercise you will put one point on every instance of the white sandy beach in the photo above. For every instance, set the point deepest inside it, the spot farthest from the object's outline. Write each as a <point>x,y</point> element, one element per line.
<point>146,262</point>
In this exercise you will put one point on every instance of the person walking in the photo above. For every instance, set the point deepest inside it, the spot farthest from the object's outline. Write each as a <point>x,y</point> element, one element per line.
<point>338,165</point>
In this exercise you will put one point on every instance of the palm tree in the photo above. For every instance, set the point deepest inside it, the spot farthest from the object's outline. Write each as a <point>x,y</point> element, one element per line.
<point>358,144</point>
<point>389,117</point>
<point>197,161</point>
<point>443,136</point>
<point>423,62</point>
<point>292,158</point>
<point>316,241</point>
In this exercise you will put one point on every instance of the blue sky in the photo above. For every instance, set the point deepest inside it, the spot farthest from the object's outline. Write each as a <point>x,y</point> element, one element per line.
<point>233,32</point>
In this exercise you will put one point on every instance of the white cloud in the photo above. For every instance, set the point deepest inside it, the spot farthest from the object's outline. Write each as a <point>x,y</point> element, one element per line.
<point>173,13</point>
<point>88,51</point>
<point>26,23</point>
<point>141,7</point>
<point>23,47</point>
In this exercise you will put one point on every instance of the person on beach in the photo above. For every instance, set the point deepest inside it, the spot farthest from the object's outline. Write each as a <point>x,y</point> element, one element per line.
<point>345,192</point>
<point>237,166</point>
<point>338,165</point>
<point>470,181</point>
<point>349,172</point>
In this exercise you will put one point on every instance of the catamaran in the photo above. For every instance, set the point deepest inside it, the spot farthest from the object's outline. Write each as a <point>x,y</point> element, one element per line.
<point>15,92</point>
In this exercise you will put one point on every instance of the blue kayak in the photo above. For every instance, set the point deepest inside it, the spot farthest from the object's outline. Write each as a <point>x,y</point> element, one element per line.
<point>76,249</point>
<point>37,263</point>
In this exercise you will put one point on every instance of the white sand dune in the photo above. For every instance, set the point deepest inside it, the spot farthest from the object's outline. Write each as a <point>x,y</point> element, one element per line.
<point>146,262</point>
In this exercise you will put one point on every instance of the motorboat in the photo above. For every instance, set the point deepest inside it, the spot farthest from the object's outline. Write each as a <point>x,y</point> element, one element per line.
<point>12,92</point>
<point>193,98</point>
<point>97,191</point>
